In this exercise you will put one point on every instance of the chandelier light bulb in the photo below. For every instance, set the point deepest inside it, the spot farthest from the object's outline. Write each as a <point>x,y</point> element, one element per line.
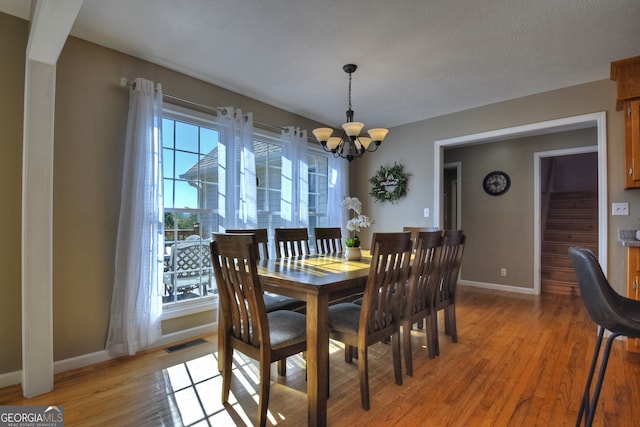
<point>322,134</point>
<point>378,134</point>
<point>352,128</point>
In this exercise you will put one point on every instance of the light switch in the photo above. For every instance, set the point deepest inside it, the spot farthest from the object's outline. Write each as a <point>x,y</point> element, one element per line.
<point>426,212</point>
<point>620,208</point>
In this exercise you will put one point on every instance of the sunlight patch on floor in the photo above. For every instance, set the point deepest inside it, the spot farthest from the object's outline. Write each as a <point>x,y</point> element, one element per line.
<point>194,389</point>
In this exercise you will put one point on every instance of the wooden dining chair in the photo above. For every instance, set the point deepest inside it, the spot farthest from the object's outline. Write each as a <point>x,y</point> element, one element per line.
<point>378,318</point>
<point>272,301</point>
<point>424,278</point>
<point>292,242</point>
<point>415,230</point>
<point>247,327</point>
<point>261,240</point>
<point>328,240</point>
<point>445,295</point>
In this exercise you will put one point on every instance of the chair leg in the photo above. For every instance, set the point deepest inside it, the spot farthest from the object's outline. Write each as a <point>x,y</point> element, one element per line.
<point>406,347</point>
<point>282,367</point>
<point>263,397</point>
<point>227,365</point>
<point>348,353</point>
<point>363,368</point>
<point>450,322</point>
<point>436,333</point>
<point>591,407</point>
<point>397,360</point>
<point>584,404</point>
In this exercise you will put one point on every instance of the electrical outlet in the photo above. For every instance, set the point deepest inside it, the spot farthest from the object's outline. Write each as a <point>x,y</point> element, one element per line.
<point>426,212</point>
<point>620,208</point>
<point>503,272</point>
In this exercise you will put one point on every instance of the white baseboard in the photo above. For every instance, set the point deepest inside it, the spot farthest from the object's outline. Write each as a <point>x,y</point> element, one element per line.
<point>497,287</point>
<point>10,378</point>
<point>13,378</point>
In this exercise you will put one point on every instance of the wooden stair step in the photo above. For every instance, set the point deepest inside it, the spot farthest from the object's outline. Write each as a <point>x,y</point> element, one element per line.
<point>563,247</point>
<point>574,204</point>
<point>555,260</point>
<point>573,214</point>
<point>558,274</point>
<point>583,225</point>
<point>574,195</point>
<point>562,288</point>
<point>570,236</point>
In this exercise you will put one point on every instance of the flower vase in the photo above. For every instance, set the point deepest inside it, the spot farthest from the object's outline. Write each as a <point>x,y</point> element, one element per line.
<point>353,253</point>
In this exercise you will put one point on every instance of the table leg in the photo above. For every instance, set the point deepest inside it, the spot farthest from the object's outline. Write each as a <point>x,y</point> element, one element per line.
<point>317,358</point>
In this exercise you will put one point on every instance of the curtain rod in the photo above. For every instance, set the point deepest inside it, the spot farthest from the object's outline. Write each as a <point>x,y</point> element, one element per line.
<point>124,83</point>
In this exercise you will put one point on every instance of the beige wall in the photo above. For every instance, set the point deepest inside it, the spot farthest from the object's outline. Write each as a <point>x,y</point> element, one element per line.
<point>13,44</point>
<point>412,146</point>
<point>495,226</point>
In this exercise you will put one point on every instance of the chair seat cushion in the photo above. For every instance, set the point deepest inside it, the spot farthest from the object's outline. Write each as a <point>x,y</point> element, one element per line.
<point>358,301</point>
<point>273,302</point>
<point>344,317</point>
<point>286,328</point>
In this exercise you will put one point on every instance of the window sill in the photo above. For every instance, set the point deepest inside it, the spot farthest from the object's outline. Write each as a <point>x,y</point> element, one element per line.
<point>189,307</point>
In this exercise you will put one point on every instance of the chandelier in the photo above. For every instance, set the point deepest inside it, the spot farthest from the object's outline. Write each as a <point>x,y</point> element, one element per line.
<point>351,144</point>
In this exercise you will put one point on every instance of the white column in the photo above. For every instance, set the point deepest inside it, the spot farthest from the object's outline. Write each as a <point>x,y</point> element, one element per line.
<point>37,229</point>
<point>50,26</point>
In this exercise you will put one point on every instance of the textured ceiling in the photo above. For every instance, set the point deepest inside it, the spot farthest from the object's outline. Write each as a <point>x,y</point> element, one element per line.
<point>417,58</point>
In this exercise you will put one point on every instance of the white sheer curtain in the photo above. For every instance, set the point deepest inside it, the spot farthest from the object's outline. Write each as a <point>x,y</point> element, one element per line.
<point>338,190</point>
<point>294,198</point>
<point>237,187</point>
<point>136,301</point>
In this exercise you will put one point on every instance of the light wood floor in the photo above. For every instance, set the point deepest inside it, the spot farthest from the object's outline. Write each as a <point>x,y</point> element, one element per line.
<point>520,361</point>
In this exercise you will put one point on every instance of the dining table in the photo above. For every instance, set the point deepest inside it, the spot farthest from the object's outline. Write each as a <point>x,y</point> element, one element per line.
<point>318,280</point>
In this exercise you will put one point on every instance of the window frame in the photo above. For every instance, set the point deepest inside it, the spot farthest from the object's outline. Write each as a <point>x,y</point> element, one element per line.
<point>172,310</point>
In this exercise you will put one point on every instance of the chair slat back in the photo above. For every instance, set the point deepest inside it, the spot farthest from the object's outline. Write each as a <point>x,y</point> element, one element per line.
<point>388,273</point>
<point>451,259</point>
<point>415,230</point>
<point>328,240</point>
<point>426,272</point>
<point>291,242</point>
<point>234,264</point>
<point>261,239</point>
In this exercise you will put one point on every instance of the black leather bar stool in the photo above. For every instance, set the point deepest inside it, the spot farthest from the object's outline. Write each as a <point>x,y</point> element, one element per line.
<point>610,311</point>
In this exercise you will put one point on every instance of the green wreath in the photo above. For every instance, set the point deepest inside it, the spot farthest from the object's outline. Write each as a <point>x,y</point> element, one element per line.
<point>389,184</point>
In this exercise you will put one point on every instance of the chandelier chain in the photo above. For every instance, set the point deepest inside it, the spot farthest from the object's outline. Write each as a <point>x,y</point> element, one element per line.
<point>349,91</point>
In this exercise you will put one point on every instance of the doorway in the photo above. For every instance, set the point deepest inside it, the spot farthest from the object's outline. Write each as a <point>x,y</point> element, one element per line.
<point>451,197</point>
<point>592,120</point>
<point>567,202</point>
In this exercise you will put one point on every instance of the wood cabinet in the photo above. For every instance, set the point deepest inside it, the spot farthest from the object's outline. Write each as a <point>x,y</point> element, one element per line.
<point>626,73</point>
<point>633,284</point>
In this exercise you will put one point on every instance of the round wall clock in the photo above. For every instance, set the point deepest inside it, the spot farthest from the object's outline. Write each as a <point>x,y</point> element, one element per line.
<point>496,183</point>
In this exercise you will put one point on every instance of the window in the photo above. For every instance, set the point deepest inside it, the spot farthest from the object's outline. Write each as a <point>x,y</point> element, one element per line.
<point>190,204</point>
<point>268,153</point>
<point>318,163</point>
<point>191,198</point>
